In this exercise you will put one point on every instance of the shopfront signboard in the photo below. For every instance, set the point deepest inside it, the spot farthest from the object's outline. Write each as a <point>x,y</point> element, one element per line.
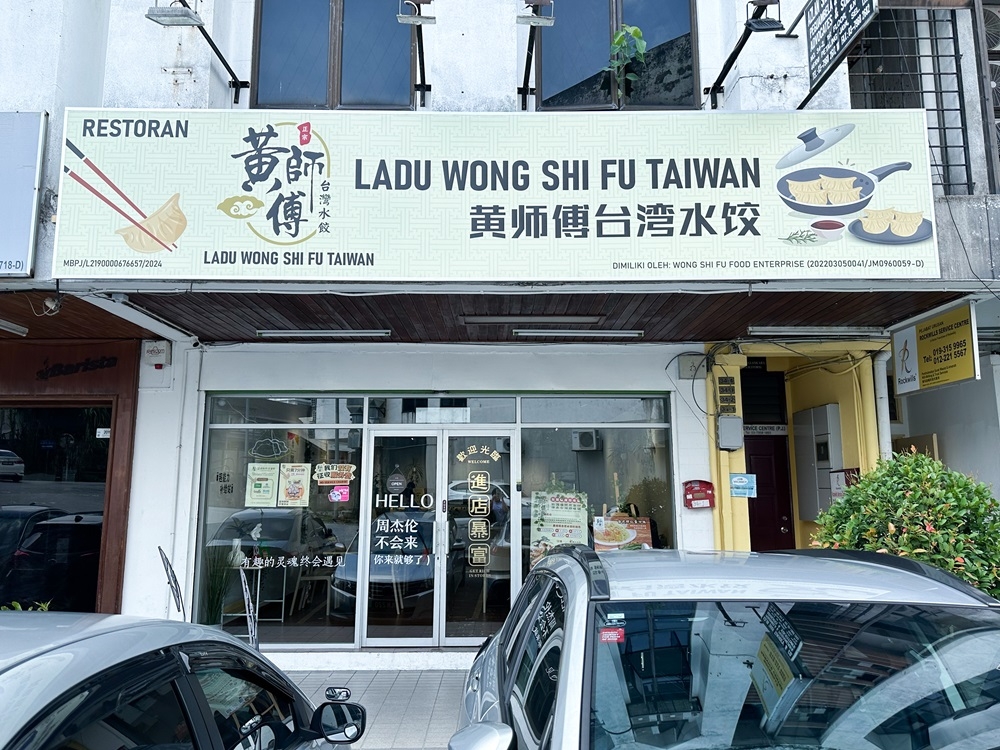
<point>939,350</point>
<point>241,195</point>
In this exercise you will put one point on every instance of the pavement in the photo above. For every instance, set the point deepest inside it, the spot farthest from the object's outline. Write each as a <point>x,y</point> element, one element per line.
<point>406,709</point>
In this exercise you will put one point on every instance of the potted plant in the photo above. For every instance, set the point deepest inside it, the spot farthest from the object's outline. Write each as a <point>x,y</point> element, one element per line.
<point>627,48</point>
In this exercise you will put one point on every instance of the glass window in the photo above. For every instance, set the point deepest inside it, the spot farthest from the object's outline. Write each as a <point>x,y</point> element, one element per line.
<point>375,57</point>
<point>454,410</point>
<point>594,410</point>
<point>246,712</point>
<point>282,504</point>
<point>293,53</point>
<point>608,487</point>
<point>574,51</point>
<point>285,409</point>
<point>732,674</point>
<point>533,697</point>
<point>154,719</point>
<point>299,40</point>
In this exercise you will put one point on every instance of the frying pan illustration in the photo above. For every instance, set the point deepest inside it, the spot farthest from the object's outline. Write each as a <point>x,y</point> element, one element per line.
<point>865,180</point>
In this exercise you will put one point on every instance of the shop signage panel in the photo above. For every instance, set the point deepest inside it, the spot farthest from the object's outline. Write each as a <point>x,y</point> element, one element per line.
<point>406,197</point>
<point>940,350</point>
<point>23,137</point>
<point>832,28</point>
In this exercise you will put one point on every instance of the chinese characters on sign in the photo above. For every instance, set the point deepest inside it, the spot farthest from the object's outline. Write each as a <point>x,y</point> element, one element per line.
<point>556,518</point>
<point>400,541</point>
<point>302,561</point>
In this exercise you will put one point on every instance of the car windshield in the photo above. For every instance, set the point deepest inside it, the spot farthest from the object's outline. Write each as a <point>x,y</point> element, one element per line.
<point>850,676</point>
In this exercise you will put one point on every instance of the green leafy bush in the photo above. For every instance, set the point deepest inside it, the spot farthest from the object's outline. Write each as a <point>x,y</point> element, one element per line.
<point>16,607</point>
<point>914,506</point>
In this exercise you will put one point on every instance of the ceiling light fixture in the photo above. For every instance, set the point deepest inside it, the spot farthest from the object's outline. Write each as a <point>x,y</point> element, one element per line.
<point>563,333</point>
<point>817,332</point>
<point>6,325</point>
<point>172,15</point>
<point>472,320</point>
<point>333,333</point>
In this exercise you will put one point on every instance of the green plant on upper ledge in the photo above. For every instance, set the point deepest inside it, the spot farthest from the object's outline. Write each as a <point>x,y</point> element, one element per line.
<point>16,607</point>
<point>627,48</point>
<point>914,506</point>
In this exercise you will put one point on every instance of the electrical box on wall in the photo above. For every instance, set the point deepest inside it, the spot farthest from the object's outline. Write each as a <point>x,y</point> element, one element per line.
<point>729,433</point>
<point>818,451</point>
<point>587,440</point>
<point>156,353</point>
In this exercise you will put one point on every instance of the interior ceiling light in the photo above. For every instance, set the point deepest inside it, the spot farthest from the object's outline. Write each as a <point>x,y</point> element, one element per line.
<point>564,333</point>
<point>817,332</point>
<point>6,325</point>
<point>473,320</point>
<point>333,333</point>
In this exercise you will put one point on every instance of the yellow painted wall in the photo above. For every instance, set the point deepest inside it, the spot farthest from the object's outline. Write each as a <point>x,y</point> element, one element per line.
<point>821,374</point>
<point>848,384</point>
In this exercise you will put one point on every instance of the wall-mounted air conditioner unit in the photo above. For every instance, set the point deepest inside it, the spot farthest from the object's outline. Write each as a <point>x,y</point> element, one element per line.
<point>587,440</point>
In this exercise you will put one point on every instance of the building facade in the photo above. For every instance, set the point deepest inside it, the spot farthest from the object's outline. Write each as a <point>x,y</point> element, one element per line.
<point>370,303</point>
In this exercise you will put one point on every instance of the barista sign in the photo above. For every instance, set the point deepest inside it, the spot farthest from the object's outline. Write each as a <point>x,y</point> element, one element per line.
<point>393,197</point>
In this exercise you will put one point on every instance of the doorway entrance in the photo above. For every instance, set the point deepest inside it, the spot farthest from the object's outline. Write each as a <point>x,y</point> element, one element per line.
<point>435,566</point>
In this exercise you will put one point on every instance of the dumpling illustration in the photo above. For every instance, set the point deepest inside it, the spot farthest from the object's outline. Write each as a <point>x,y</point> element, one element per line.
<point>810,192</point>
<point>167,223</point>
<point>877,221</point>
<point>906,224</point>
<point>840,196</point>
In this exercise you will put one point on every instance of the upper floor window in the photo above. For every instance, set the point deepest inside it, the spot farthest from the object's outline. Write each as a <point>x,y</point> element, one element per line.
<point>331,53</point>
<point>573,51</point>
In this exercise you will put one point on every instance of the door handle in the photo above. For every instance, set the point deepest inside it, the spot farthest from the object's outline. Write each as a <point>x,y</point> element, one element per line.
<point>784,529</point>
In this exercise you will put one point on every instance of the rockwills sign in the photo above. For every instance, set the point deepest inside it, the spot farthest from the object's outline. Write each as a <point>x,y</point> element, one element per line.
<point>405,197</point>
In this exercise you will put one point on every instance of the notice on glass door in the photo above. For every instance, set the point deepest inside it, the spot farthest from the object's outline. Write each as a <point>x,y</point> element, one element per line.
<point>262,486</point>
<point>293,485</point>
<point>556,518</point>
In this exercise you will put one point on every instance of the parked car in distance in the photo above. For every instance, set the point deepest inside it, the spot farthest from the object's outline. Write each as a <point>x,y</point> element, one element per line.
<point>105,682</point>
<point>58,563</point>
<point>666,649</point>
<point>16,524</point>
<point>11,466</point>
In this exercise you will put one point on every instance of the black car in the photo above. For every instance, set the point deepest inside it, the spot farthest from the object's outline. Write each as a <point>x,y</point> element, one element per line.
<point>17,522</point>
<point>57,564</point>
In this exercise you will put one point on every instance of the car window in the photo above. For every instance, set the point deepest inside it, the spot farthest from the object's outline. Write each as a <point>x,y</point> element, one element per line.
<point>536,678</point>
<point>517,620</point>
<point>247,713</point>
<point>154,719</point>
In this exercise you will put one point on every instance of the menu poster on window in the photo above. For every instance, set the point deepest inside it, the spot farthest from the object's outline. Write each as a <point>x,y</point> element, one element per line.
<point>262,486</point>
<point>293,485</point>
<point>556,518</point>
<point>621,532</point>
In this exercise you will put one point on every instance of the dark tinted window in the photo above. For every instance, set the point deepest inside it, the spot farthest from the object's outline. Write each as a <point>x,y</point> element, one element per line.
<point>376,55</point>
<point>576,49</point>
<point>537,676</point>
<point>293,53</point>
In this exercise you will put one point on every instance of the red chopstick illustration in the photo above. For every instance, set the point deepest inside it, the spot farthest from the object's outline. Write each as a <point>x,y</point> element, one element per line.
<point>114,187</point>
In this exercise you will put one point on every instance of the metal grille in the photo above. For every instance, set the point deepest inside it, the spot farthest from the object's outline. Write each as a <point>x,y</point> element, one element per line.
<point>910,58</point>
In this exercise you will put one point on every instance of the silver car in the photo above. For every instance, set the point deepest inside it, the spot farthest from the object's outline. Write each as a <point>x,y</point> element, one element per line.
<point>110,682</point>
<point>665,649</point>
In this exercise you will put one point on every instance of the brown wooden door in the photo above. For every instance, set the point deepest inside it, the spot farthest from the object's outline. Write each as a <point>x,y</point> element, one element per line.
<point>771,521</point>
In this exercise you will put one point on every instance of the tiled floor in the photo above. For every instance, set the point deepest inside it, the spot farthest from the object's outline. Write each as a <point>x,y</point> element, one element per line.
<point>407,710</point>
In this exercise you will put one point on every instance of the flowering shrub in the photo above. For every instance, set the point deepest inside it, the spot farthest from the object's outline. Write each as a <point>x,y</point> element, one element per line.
<point>914,506</point>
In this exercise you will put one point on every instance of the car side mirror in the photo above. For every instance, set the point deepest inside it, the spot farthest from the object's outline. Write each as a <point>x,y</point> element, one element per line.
<point>487,735</point>
<point>339,722</point>
<point>338,694</point>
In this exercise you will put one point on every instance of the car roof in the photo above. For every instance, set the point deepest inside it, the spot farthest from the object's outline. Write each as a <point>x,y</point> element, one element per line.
<point>44,653</point>
<point>791,576</point>
<point>5,452</point>
<point>73,519</point>
<point>26,510</point>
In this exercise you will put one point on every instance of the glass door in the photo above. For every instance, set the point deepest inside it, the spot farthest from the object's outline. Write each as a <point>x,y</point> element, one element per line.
<point>435,566</point>
<point>484,525</point>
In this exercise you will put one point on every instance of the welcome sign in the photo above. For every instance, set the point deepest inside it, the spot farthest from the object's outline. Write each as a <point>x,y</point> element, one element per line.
<point>611,196</point>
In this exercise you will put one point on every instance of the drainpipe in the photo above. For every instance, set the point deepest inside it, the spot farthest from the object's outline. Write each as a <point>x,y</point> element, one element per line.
<point>882,404</point>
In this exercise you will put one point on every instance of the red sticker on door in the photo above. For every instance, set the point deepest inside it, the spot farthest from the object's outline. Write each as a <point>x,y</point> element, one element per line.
<point>612,635</point>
